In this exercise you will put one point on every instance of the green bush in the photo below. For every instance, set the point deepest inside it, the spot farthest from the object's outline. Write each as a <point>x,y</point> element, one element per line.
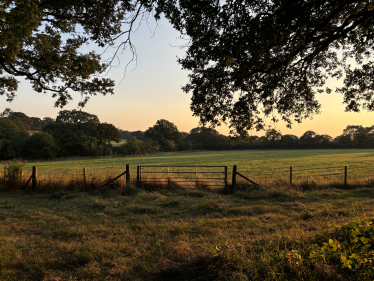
<point>13,174</point>
<point>346,253</point>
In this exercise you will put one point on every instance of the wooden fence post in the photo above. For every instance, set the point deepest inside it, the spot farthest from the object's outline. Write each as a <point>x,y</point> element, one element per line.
<point>196,181</point>
<point>34,177</point>
<point>345,175</point>
<point>138,176</point>
<point>225,178</point>
<point>127,175</point>
<point>84,176</point>
<point>290,175</point>
<point>233,182</point>
<point>21,176</point>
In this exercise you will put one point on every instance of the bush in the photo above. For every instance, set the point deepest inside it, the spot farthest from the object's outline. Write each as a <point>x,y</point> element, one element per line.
<point>13,174</point>
<point>346,253</point>
<point>41,145</point>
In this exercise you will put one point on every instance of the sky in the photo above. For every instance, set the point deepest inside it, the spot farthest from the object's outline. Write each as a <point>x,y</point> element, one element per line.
<point>151,90</point>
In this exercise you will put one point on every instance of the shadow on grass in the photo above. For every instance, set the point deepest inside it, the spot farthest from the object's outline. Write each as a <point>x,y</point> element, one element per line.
<point>202,269</point>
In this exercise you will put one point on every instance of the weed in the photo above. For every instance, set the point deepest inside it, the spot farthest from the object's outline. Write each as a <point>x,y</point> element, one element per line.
<point>13,172</point>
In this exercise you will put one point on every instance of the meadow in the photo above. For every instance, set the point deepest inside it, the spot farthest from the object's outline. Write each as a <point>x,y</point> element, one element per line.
<point>264,167</point>
<point>273,232</point>
<point>184,234</point>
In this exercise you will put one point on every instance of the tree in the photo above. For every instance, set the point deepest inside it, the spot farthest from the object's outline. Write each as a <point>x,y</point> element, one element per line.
<point>78,133</point>
<point>207,138</point>
<point>133,146</point>
<point>323,141</point>
<point>247,59</point>
<point>166,134</point>
<point>343,141</point>
<point>139,135</point>
<point>106,133</point>
<point>308,139</point>
<point>41,41</point>
<point>8,129</point>
<point>254,59</point>
<point>289,141</point>
<point>358,135</point>
<point>12,138</point>
<point>41,145</point>
<point>125,134</point>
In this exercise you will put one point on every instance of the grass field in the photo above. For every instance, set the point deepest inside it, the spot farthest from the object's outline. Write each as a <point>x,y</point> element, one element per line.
<point>125,234</point>
<point>261,166</point>
<point>275,232</point>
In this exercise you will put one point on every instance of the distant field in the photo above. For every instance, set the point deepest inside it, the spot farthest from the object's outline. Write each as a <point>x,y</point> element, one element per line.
<point>259,165</point>
<point>119,143</point>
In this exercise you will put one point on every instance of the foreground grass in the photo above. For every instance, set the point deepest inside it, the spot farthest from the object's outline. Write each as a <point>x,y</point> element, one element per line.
<point>181,234</point>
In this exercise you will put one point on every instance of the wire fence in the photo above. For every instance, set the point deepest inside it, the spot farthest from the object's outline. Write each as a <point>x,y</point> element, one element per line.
<point>190,176</point>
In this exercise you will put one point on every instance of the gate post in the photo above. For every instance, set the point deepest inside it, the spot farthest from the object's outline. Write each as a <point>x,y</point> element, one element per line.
<point>233,182</point>
<point>84,176</point>
<point>345,175</point>
<point>127,175</point>
<point>137,176</point>
<point>225,179</point>
<point>34,177</point>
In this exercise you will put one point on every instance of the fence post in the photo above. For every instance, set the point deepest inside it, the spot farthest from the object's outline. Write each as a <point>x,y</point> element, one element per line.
<point>21,176</point>
<point>226,178</point>
<point>233,182</point>
<point>345,175</point>
<point>196,181</point>
<point>290,175</point>
<point>84,176</point>
<point>137,176</point>
<point>34,177</point>
<point>127,175</point>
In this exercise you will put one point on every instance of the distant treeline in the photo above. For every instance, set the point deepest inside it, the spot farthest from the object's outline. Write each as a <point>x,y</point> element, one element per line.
<point>78,133</point>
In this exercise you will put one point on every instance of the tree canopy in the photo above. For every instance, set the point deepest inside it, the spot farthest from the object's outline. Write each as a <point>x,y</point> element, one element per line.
<point>41,41</point>
<point>249,61</point>
<point>166,134</point>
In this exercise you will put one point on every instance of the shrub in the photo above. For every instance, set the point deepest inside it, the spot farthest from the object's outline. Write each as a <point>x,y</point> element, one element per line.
<point>13,174</point>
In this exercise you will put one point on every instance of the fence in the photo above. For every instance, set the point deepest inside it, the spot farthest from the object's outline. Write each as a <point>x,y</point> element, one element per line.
<point>182,175</point>
<point>188,176</point>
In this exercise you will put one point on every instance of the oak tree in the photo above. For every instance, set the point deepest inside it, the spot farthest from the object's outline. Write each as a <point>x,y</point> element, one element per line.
<point>249,61</point>
<point>166,134</point>
<point>42,40</point>
<point>268,59</point>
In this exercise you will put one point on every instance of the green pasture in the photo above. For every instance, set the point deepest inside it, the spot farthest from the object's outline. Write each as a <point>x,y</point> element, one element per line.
<point>256,164</point>
<point>122,141</point>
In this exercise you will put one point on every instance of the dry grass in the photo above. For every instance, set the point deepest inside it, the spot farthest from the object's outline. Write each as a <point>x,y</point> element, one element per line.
<point>68,229</point>
<point>167,234</point>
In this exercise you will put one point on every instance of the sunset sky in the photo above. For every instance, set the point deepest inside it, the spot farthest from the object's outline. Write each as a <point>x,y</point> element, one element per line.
<point>152,91</point>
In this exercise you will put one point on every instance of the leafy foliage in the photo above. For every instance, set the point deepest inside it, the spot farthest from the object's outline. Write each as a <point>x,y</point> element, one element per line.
<point>253,60</point>
<point>347,251</point>
<point>166,134</point>
<point>248,60</point>
<point>13,173</point>
<point>42,42</point>
<point>41,145</point>
<point>80,133</point>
